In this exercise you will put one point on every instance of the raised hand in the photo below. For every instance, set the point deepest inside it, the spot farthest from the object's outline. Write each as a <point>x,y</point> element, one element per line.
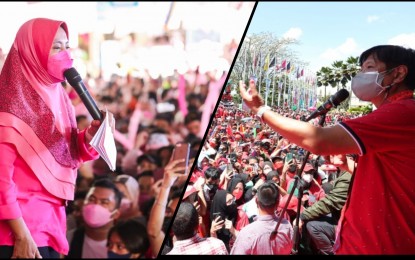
<point>251,96</point>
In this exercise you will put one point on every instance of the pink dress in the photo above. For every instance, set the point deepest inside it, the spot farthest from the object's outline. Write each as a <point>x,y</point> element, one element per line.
<point>43,213</point>
<point>40,146</point>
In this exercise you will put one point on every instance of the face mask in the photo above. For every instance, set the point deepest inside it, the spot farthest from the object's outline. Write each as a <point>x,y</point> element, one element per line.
<point>222,167</point>
<point>115,256</point>
<point>212,188</point>
<point>237,194</point>
<point>307,178</point>
<point>125,204</point>
<point>266,170</point>
<point>279,165</point>
<point>367,85</point>
<point>96,215</point>
<point>249,184</point>
<point>232,210</point>
<point>58,63</point>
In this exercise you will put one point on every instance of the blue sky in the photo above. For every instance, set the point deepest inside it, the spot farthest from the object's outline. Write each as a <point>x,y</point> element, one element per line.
<point>329,31</point>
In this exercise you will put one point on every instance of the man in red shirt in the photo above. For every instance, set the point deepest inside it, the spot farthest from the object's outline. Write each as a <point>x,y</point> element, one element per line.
<point>378,217</point>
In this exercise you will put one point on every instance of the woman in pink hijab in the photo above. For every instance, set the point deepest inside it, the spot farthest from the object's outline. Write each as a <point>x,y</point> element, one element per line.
<point>40,146</point>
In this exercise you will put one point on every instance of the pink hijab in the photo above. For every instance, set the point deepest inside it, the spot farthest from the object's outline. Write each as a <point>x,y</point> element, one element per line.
<point>36,114</point>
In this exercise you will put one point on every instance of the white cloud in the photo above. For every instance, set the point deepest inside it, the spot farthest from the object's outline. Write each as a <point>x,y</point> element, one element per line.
<point>346,49</point>
<point>372,18</point>
<point>406,40</point>
<point>293,33</point>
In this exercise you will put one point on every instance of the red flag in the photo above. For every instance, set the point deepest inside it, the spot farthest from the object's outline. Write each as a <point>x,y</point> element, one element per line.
<point>284,64</point>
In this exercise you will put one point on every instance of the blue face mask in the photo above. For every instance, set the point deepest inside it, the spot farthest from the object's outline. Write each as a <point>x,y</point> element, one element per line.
<point>114,255</point>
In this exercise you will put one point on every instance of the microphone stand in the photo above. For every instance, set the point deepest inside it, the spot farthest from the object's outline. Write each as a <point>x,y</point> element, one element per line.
<point>299,185</point>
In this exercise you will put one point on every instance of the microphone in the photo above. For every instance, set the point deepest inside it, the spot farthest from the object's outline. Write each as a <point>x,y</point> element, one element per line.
<point>73,77</point>
<point>333,101</point>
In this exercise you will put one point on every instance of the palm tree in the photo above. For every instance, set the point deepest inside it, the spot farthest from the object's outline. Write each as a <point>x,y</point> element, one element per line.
<point>339,74</point>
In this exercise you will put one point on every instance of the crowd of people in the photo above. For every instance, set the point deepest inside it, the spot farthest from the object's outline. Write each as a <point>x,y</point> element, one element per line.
<point>244,174</point>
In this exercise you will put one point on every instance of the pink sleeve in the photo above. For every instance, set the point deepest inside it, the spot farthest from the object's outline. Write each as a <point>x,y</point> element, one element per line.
<point>242,220</point>
<point>9,207</point>
<point>85,153</point>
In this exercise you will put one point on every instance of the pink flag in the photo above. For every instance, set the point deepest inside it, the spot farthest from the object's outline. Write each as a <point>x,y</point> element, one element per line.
<point>215,87</point>
<point>182,95</point>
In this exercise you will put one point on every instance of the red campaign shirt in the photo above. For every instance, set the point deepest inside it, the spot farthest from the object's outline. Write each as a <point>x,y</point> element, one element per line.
<point>379,216</point>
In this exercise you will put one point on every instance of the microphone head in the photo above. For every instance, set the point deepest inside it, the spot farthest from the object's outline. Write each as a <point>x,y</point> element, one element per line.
<point>72,76</point>
<point>339,97</point>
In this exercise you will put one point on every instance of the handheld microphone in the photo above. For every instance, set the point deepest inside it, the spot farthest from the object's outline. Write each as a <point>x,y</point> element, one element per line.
<point>333,101</point>
<point>73,77</point>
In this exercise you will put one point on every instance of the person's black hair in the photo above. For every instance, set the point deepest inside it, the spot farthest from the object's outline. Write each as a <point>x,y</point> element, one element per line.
<point>174,102</point>
<point>393,56</point>
<point>153,159</point>
<point>249,194</point>
<point>169,148</point>
<point>272,174</point>
<point>165,116</point>
<point>71,204</point>
<point>133,234</point>
<point>225,147</point>
<point>265,145</point>
<point>253,158</point>
<point>186,221</point>
<point>109,184</point>
<point>212,173</point>
<point>80,194</point>
<point>192,116</point>
<point>107,99</point>
<point>233,158</point>
<point>195,96</point>
<point>164,93</point>
<point>157,130</point>
<point>268,195</point>
<point>80,117</point>
<point>176,192</point>
<point>146,173</point>
<point>193,140</point>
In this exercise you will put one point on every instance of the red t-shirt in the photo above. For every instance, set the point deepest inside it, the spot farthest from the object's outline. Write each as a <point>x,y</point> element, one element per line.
<point>379,216</point>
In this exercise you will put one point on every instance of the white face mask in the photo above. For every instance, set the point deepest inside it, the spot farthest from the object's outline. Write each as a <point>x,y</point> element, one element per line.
<point>368,85</point>
<point>307,178</point>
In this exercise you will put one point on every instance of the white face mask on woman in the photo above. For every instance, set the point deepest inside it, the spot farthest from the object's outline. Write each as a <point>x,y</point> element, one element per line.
<point>368,85</point>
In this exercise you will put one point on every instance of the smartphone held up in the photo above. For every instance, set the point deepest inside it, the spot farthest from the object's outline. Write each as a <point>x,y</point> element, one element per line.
<point>182,151</point>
